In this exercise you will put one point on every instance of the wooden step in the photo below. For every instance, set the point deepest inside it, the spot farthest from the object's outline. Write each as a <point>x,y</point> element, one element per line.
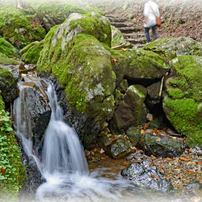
<point>129,29</point>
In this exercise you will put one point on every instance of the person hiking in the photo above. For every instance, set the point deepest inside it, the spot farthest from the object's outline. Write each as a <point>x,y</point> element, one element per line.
<point>151,10</point>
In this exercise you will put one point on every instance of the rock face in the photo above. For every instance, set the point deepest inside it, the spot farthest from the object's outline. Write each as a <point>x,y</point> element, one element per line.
<point>183,98</point>
<point>8,86</point>
<point>54,12</point>
<point>170,48</point>
<point>145,175</point>
<point>16,29</point>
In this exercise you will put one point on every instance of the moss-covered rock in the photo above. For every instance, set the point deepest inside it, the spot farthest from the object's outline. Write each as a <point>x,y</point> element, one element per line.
<point>8,86</point>
<point>8,61</point>
<point>55,12</point>
<point>183,98</point>
<point>7,50</point>
<point>145,65</point>
<point>16,29</point>
<point>170,48</point>
<point>31,52</point>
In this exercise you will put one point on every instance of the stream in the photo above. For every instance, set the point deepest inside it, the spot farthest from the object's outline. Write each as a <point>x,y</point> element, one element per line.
<point>63,164</point>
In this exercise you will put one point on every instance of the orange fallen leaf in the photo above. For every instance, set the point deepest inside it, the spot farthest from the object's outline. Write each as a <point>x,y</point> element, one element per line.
<point>113,139</point>
<point>114,59</point>
<point>190,149</point>
<point>182,46</point>
<point>157,177</point>
<point>142,131</point>
<point>156,131</point>
<point>123,49</point>
<point>168,159</point>
<point>200,180</point>
<point>199,163</point>
<point>183,159</point>
<point>191,171</point>
<point>182,139</point>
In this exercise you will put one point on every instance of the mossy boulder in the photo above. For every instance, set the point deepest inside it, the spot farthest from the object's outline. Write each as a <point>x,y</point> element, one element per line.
<point>144,65</point>
<point>83,66</point>
<point>53,13</point>
<point>7,50</point>
<point>31,52</point>
<point>170,48</point>
<point>16,29</point>
<point>8,86</point>
<point>183,98</point>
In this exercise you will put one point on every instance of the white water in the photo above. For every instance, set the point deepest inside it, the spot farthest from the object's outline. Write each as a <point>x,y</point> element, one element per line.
<point>64,165</point>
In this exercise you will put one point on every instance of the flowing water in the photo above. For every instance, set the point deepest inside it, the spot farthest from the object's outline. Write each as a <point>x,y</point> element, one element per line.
<point>63,164</point>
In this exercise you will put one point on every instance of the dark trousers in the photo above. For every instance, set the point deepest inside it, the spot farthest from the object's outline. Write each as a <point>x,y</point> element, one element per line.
<point>146,30</point>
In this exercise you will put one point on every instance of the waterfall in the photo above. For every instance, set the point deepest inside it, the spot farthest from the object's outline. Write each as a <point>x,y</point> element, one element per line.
<point>62,150</point>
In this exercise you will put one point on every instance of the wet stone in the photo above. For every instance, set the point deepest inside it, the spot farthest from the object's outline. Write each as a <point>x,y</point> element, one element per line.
<point>146,175</point>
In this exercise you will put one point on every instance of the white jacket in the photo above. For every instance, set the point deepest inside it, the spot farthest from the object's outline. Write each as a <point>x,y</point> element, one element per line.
<point>149,14</point>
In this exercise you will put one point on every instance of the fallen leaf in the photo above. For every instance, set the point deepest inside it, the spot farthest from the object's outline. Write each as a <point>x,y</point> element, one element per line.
<point>158,139</point>
<point>157,177</point>
<point>114,59</point>
<point>183,159</point>
<point>174,138</point>
<point>123,49</point>
<point>191,171</point>
<point>168,159</point>
<point>200,180</point>
<point>199,163</point>
<point>182,139</point>
<point>156,131</point>
<point>142,131</point>
<point>182,46</point>
<point>113,139</point>
<point>190,149</point>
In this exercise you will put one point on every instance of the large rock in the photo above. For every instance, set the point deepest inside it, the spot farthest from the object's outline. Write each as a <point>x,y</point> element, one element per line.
<point>170,48</point>
<point>182,101</point>
<point>16,29</point>
<point>131,111</point>
<point>55,12</point>
<point>7,50</point>
<point>8,86</point>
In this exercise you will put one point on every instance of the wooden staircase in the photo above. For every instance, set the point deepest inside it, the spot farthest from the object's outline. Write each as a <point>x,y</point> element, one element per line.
<point>130,32</point>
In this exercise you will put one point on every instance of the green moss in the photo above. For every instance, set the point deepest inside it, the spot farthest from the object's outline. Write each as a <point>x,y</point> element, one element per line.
<point>31,53</point>
<point>175,93</point>
<point>97,27</point>
<point>6,49</point>
<point>8,61</point>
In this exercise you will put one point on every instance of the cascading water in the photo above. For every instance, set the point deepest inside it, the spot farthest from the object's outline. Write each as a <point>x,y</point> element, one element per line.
<point>63,164</point>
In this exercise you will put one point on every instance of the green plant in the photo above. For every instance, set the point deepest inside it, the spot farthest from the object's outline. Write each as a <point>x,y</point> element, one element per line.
<point>5,121</point>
